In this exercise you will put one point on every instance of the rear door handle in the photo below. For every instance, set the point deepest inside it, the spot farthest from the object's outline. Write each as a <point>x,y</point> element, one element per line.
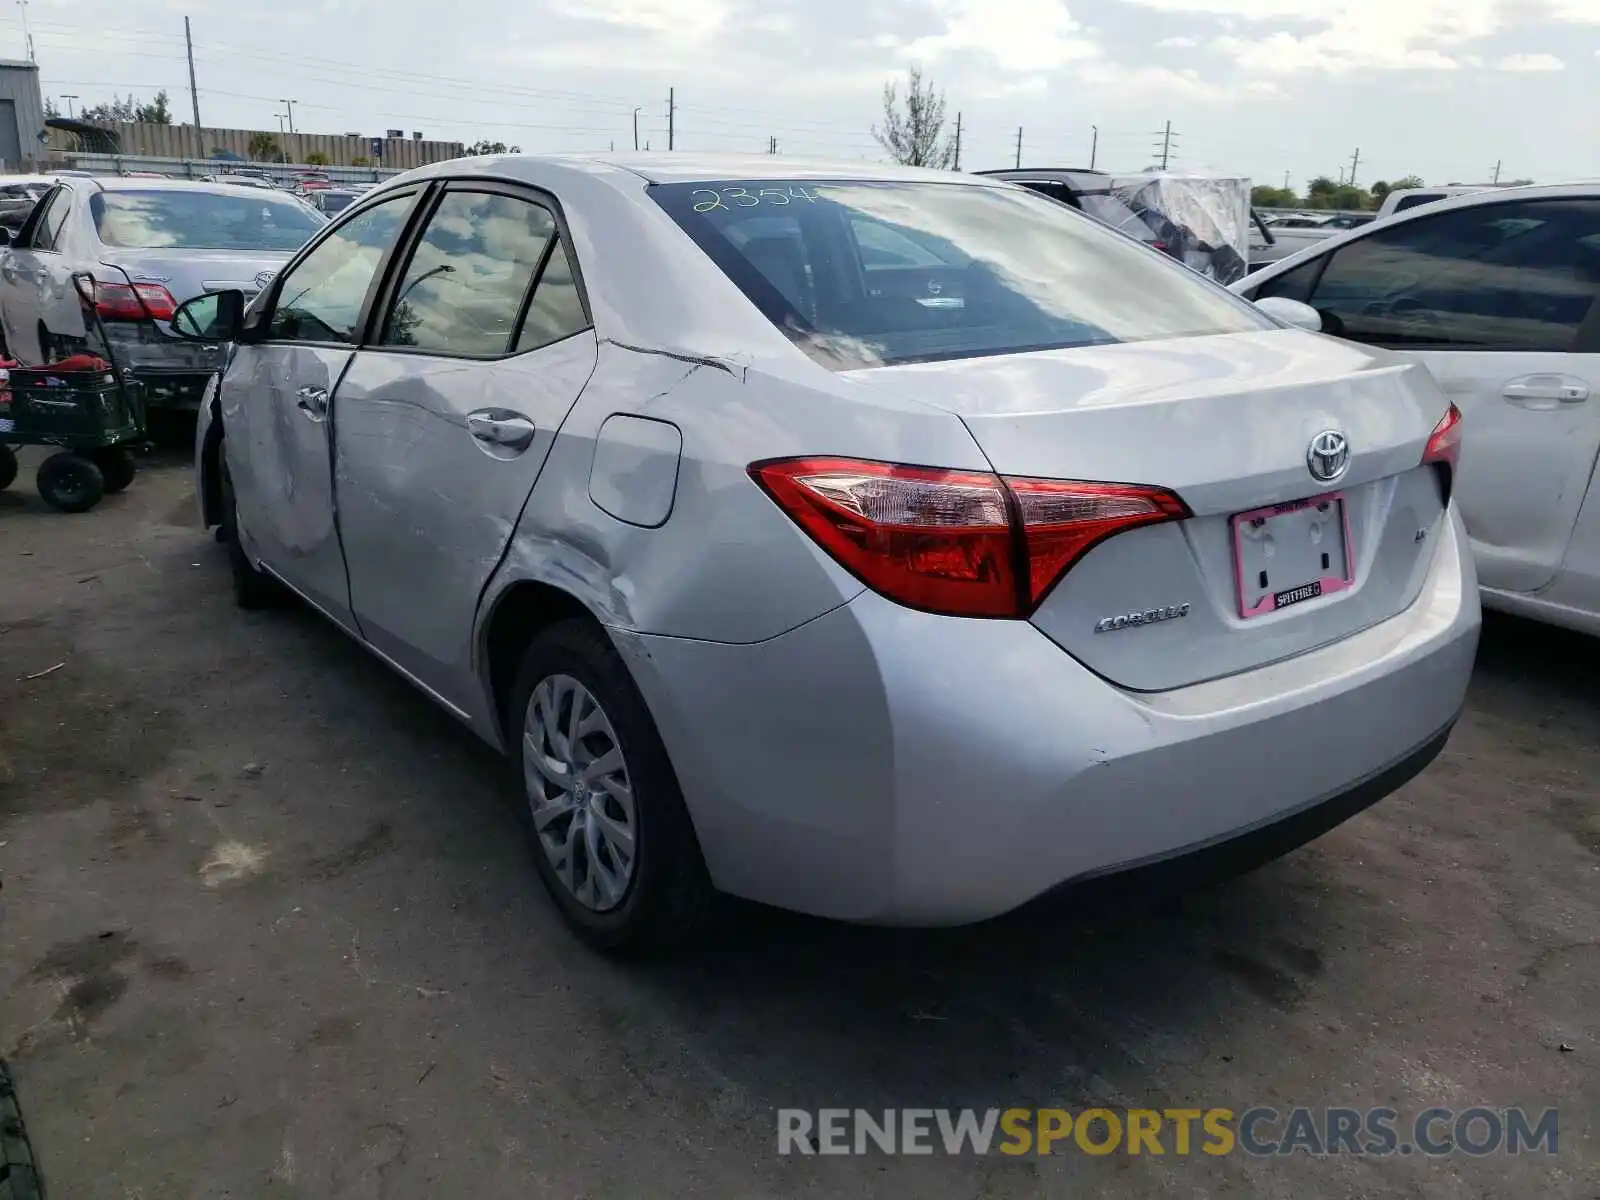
<point>1545,391</point>
<point>500,428</point>
<point>312,401</point>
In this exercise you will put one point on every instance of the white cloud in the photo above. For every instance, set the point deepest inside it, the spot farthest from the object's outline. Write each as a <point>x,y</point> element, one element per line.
<point>1531,62</point>
<point>1177,43</point>
<point>1356,34</point>
<point>1019,35</point>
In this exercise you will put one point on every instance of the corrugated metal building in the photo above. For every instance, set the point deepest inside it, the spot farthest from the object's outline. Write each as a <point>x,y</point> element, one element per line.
<point>22,131</point>
<point>183,141</point>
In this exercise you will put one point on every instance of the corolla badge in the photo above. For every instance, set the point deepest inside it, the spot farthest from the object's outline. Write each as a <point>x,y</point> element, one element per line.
<point>264,278</point>
<point>1137,620</point>
<point>1328,456</point>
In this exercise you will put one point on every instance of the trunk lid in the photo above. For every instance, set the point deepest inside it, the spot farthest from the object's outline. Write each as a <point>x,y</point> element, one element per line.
<point>190,273</point>
<point>1227,423</point>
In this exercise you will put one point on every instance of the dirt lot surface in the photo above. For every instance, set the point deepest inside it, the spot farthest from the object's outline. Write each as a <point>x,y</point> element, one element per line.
<point>267,929</point>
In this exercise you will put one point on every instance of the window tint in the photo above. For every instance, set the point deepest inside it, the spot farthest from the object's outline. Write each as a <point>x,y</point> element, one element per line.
<point>1516,276</point>
<point>556,310</point>
<point>52,219</point>
<point>321,298</point>
<point>202,220</point>
<point>464,286</point>
<point>996,270</point>
<point>1293,285</point>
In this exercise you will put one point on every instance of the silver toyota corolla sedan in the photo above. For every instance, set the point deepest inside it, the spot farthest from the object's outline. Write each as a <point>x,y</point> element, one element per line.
<point>880,543</point>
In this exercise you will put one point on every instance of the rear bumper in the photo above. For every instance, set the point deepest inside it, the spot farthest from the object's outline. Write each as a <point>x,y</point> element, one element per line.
<point>883,765</point>
<point>173,372</point>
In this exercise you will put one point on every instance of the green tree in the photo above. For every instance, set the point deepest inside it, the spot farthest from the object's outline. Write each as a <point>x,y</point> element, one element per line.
<point>1380,189</point>
<point>487,147</point>
<point>1350,198</point>
<point>911,130</point>
<point>317,159</point>
<point>154,113</point>
<point>1265,196</point>
<point>263,147</point>
<point>361,160</point>
<point>1406,181</point>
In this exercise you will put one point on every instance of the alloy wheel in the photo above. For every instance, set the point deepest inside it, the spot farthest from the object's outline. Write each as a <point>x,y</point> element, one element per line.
<point>579,792</point>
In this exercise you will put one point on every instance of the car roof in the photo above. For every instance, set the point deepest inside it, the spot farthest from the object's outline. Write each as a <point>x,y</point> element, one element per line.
<point>125,183</point>
<point>682,167</point>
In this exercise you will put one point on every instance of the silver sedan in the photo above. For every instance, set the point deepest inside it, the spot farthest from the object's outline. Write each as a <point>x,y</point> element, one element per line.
<point>148,245</point>
<point>889,545</point>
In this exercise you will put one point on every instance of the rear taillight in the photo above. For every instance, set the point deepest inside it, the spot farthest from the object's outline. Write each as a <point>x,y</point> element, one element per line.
<point>1444,447</point>
<point>965,543</point>
<point>133,302</point>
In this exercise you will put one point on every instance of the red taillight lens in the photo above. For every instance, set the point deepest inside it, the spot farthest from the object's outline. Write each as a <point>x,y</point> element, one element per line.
<point>133,302</point>
<point>1061,520</point>
<point>1444,444</point>
<point>958,542</point>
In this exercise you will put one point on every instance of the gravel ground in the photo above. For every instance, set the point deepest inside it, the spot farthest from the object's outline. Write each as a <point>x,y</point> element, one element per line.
<point>267,929</point>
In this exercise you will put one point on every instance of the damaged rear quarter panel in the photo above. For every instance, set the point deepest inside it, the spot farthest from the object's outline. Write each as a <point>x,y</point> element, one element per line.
<point>727,566</point>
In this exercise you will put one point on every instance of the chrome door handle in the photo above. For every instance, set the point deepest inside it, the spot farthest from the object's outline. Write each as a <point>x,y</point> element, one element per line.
<point>509,430</point>
<point>312,400</point>
<point>1546,391</point>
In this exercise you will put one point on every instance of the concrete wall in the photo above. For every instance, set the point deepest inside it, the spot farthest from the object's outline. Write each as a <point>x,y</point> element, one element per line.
<point>181,141</point>
<point>19,83</point>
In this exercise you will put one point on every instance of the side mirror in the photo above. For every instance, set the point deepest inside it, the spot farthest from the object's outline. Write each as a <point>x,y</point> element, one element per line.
<point>1291,312</point>
<point>5,236</point>
<point>214,317</point>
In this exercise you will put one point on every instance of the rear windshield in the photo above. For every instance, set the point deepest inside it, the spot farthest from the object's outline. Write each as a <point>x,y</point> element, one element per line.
<point>872,274</point>
<point>197,220</point>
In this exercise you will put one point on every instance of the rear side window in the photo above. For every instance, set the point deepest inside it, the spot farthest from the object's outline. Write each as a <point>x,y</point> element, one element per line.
<point>201,220</point>
<point>463,291</point>
<point>872,274</point>
<point>1519,276</point>
<point>1406,202</point>
<point>48,230</point>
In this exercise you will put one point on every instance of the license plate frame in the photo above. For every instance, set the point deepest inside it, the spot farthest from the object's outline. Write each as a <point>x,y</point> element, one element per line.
<point>1257,598</point>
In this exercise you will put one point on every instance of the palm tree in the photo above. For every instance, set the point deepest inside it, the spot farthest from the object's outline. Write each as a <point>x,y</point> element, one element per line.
<point>263,147</point>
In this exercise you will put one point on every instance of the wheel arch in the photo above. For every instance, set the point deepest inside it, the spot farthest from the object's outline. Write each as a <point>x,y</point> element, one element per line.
<point>512,620</point>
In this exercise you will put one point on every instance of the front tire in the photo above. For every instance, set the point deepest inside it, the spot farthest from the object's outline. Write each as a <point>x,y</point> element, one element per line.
<point>8,467</point>
<point>252,588</point>
<point>70,482</point>
<point>610,834</point>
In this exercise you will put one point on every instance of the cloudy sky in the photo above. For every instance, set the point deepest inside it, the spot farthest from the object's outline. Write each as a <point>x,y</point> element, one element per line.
<point>1440,88</point>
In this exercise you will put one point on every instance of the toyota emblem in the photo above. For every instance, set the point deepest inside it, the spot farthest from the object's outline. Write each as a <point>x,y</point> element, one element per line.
<point>1328,456</point>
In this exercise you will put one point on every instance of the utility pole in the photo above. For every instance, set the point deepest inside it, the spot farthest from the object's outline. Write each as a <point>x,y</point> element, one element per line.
<point>1166,145</point>
<point>69,100</point>
<point>280,123</point>
<point>289,108</point>
<point>1355,161</point>
<point>1019,147</point>
<point>772,144</point>
<point>194,92</point>
<point>1286,181</point>
<point>27,33</point>
<point>1094,144</point>
<point>957,165</point>
<point>672,115</point>
<point>636,128</point>
<point>1497,163</point>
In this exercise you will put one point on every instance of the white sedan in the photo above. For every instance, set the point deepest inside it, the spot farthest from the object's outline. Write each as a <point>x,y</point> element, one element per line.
<point>1496,292</point>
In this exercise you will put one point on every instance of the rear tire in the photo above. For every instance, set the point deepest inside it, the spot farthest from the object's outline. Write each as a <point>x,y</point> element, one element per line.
<point>70,482</point>
<point>252,588</point>
<point>618,852</point>
<point>118,466</point>
<point>8,467</point>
